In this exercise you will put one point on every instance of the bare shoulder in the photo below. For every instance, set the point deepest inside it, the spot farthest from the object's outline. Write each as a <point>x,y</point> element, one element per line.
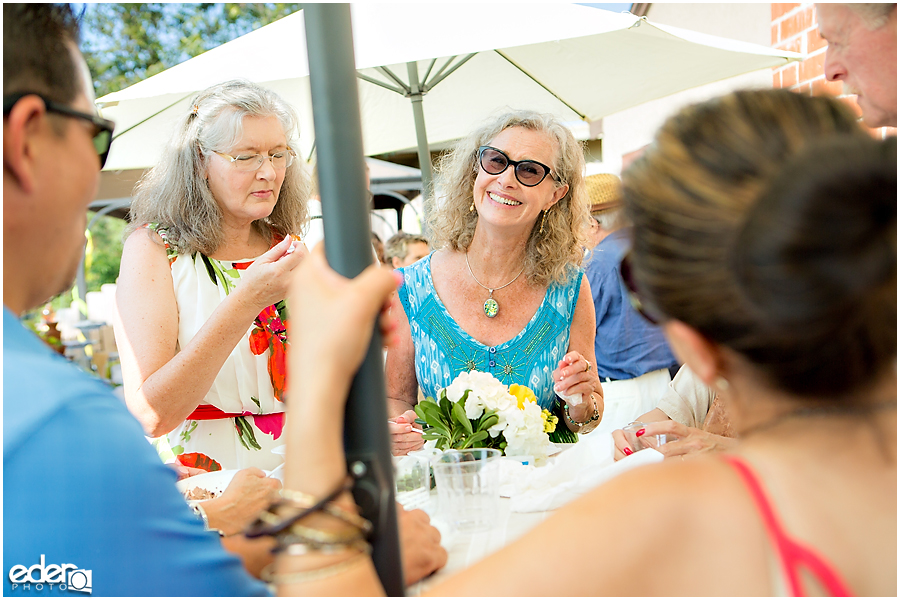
<point>144,242</point>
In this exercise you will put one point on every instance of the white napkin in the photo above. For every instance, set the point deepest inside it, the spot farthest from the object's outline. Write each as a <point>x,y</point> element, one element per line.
<point>572,399</point>
<point>567,476</point>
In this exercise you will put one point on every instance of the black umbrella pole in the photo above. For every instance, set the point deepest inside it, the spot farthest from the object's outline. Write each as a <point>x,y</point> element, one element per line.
<point>348,247</point>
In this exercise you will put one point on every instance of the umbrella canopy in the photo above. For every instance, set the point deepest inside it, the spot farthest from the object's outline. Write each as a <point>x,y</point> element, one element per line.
<point>577,62</point>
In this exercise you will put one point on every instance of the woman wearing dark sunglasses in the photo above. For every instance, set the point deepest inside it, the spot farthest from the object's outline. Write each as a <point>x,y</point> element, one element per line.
<point>765,242</point>
<point>504,291</point>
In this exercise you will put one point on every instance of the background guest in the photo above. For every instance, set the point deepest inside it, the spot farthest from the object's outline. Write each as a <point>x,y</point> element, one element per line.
<point>691,415</point>
<point>201,326</point>
<point>862,53</point>
<point>504,292</point>
<point>633,358</point>
<point>403,249</point>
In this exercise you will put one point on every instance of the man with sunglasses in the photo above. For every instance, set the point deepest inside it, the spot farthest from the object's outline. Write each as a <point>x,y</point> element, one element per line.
<point>87,506</point>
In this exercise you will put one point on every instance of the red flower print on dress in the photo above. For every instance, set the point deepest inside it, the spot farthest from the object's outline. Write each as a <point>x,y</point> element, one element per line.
<point>270,333</point>
<point>197,460</point>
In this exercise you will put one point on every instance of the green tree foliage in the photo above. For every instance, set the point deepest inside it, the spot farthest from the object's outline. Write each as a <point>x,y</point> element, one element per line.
<point>127,43</point>
<point>102,262</point>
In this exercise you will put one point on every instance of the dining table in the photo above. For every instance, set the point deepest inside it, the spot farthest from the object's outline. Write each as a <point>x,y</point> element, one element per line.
<point>529,495</point>
<point>467,548</point>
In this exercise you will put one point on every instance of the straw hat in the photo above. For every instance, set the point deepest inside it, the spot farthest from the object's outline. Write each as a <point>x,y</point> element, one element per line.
<point>604,191</point>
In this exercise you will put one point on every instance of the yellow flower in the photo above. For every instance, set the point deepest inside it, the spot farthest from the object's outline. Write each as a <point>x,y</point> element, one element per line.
<point>550,421</point>
<point>523,394</point>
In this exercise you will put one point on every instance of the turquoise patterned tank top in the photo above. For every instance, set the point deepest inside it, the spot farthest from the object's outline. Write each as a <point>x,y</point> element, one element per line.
<point>444,349</point>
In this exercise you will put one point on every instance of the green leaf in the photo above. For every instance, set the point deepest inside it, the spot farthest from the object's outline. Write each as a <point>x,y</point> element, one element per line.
<point>487,421</point>
<point>446,407</point>
<point>459,414</point>
<point>432,414</point>
<point>475,439</point>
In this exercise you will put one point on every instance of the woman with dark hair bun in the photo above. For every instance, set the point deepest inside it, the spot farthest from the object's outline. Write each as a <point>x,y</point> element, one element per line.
<point>765,244</point>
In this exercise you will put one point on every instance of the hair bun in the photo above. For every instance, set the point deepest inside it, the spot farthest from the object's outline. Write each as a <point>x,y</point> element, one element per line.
<point>816,259</point>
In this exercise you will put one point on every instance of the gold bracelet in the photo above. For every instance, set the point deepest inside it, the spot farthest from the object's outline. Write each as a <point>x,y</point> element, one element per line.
<point>303,501</point>
<point>305,576</point>
<point>303,534</point>
<point>300,549</point>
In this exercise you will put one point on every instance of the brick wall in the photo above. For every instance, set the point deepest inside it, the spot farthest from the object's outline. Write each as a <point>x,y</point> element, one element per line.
<point>794,29</point>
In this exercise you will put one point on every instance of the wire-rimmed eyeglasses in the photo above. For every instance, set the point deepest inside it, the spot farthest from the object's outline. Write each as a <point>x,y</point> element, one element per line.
<point>249,163</point>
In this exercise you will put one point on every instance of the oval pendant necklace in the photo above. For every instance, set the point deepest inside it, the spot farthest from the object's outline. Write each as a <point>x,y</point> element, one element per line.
<point>491,308</point>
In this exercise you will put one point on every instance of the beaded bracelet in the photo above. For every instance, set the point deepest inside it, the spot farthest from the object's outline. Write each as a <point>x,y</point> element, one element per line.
<point>594,417</point>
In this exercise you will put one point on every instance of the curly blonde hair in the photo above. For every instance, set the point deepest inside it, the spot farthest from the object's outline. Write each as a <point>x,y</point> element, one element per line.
<point>174,192</point>
<point>549,256</point>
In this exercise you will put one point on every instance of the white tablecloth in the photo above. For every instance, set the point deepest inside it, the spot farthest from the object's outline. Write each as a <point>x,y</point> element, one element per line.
<point>465,549</point>
<point>534,493</point>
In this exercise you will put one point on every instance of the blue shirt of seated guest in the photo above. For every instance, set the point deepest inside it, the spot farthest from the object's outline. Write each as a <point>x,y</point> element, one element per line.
<point>82,487</point>
<point>627,345</point>
<point>444,349</point>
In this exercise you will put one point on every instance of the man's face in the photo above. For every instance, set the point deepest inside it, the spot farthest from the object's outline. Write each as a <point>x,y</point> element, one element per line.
<point>71,181</point>
<point>865,60</point>
<point>414,252</point>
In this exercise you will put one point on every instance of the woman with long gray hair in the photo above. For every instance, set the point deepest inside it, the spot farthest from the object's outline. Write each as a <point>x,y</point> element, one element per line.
<point>201,329</point>
<point>504,292</point>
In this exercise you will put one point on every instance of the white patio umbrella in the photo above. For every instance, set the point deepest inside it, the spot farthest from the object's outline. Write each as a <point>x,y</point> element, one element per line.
<point>469,61</point>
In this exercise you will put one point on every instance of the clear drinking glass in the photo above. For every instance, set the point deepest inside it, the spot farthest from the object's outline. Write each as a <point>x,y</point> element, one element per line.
<point>645,441</point>
<point>468,485</point>
<point>412,478</point>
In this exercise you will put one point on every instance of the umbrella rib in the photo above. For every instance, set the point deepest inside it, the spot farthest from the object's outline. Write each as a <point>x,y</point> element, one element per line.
<point>440,75</point>
<point>121,133</point>
<point>534,79</point>
<point>389,73</point>
<point>381,84</point>
<point>428,72</point>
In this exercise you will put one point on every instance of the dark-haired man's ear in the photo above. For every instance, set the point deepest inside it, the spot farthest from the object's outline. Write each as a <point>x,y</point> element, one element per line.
<point>21,129</point>
<point>693,349</point>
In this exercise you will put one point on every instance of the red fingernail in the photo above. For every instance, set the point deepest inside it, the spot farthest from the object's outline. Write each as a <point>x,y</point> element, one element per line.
<point>627,451</point>
<point>398,277</point>
<point>639,432</point>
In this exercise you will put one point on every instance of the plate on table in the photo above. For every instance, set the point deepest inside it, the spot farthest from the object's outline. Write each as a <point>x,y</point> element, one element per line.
<point>205,486</point>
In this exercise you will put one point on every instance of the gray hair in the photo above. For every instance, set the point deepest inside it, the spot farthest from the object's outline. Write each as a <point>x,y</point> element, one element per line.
<point>873,16</point>
<point>550,255</point>
<point>612,219</point>
<point>398,245</point>
<point>174,192</point>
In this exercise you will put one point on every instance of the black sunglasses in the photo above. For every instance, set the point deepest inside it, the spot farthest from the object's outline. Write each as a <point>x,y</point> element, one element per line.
<point>529,172</point>
<point>626,272</point>
<point>102,138</point>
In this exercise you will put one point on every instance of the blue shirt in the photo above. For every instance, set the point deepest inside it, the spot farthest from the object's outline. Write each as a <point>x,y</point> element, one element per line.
<point>83,489</point>
<point>444,349</point>
<point>627,345</point>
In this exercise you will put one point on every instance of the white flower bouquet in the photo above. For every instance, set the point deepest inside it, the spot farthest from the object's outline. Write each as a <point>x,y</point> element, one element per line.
<point>477,411</point>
